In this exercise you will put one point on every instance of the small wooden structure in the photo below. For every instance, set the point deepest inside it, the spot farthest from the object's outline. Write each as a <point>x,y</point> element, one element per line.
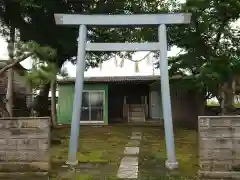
<point>22,94</point>
<point>122,99</point>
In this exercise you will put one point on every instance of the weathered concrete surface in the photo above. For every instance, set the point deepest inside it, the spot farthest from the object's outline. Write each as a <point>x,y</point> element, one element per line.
<point>136,134</point>
<point>24,176</point>
<point>133,143</point>
<point>131,151</point>
<point>24,145</point>
<point>219,147</point>
<point>136,137</point>
<point>128,168</point>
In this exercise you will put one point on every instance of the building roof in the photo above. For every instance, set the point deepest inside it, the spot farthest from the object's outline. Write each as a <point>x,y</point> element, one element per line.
<point>17,66</point>
<point>113,79</point>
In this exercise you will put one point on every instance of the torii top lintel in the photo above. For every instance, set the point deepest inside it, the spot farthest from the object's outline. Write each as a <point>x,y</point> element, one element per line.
<point>123,20</point>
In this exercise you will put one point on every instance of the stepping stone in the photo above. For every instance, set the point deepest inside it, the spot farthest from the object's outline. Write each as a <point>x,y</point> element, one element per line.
<point>136,134</point>
<point>128,168</point>
<point>133,143</point>
<point>136,137</point>
<point>131,151</point>
<point>128,172</point>
<point>133,160</point>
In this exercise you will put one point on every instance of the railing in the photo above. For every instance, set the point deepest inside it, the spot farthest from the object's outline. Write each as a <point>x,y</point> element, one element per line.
<point>128,112</point>
<point>3,110</point>
<point>144,110</point>
<point>127,108</point>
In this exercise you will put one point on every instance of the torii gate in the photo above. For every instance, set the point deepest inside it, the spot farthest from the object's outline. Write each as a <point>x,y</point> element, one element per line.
<point>159,20</point>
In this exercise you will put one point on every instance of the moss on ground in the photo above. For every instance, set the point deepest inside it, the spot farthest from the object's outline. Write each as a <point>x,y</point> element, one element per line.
<point>100,152</point>
<point>101,149</point>
<point>153,155</point>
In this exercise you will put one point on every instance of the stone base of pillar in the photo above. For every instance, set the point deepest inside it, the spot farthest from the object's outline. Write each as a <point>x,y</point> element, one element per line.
<point>171,165</point>
<point>72,163</point>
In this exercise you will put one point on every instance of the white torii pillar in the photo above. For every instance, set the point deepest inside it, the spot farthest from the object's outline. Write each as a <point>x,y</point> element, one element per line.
<point>160,20</point>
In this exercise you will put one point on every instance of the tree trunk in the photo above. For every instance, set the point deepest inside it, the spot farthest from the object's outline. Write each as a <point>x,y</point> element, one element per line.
<point>222,103</point>
<point>53,103</point>
<point>200,103</point>
<point>9,95</point>
<point>40,103</point>
<point>227,98</point>
<point>43,98</point>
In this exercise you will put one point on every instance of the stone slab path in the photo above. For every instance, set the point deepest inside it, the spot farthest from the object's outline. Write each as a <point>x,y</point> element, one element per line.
<point>133,143</point>
<point>128,168</point>
<point>131,151</point>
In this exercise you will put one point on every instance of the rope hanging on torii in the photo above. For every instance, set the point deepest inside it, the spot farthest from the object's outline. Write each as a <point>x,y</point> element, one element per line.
<point>136,61</point>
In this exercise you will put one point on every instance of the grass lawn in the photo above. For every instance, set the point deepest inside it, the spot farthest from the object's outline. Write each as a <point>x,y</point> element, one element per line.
<point>101,149</point>
<point>100,152</point>
<point>153,155</point>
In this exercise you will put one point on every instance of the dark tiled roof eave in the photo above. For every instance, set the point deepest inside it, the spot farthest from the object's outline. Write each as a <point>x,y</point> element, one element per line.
<point>113,79</point>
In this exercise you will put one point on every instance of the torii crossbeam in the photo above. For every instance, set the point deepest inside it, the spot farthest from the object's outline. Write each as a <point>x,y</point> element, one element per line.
<point>159,20</point>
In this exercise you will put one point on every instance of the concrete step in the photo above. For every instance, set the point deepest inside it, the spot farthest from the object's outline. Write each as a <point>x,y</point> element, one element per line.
<point>136,109</point>
<point>137,119</point>
<point>132,107</point>
<point>136,105</point>
<point>137,114</point>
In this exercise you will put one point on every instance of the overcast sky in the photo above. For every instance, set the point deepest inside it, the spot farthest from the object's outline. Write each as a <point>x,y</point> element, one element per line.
<point>108,68</point>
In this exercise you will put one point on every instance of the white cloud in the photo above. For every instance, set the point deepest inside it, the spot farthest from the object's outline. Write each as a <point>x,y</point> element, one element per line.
<point>3,49</point>
<point>236,24</point>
